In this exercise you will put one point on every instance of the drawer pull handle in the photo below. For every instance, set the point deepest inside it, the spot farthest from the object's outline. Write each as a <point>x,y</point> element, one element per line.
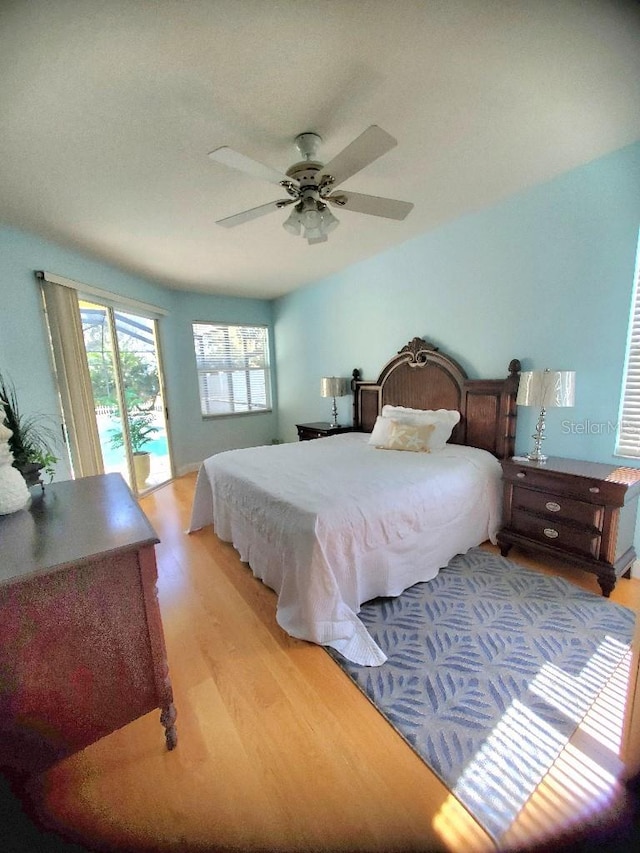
<point>550,533</point>
<point>594,490</point>
<point>521,475</point>
<point>552,506</point>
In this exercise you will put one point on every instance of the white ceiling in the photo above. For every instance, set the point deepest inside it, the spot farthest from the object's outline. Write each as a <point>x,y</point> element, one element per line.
<point>108,111</point>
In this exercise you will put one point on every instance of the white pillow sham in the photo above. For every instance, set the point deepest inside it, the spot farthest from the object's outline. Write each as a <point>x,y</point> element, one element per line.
<point>443,420</point>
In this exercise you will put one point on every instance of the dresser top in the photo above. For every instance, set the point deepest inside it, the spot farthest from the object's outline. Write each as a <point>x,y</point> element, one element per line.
<point>71,522</point>
<point>580,468</point>
<point>322,425</point>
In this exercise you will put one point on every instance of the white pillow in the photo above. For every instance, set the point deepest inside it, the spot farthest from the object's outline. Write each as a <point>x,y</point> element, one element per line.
<point>398,412</point>
<point>413,437</point>
<point>380,432</point>
<point>443,420</point>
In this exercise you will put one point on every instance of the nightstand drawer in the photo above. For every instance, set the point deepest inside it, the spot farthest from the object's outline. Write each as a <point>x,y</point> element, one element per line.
<point>565,537</point>
<point>309,434</point>
<point>558,507</point>
<point>581,488</point>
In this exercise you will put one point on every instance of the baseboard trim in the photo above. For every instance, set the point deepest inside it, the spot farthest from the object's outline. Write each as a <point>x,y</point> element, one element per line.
<point>188,469</point>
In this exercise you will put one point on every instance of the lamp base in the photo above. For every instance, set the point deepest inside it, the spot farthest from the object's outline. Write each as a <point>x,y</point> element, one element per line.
<point>334,414</point>
<point>536,454</point>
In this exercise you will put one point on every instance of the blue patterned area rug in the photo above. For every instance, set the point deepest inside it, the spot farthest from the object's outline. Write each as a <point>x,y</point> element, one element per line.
<point>491,668</point>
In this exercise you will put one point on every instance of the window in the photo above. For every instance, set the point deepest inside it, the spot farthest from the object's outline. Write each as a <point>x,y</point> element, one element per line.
<point>233,368</point>
<point>628,443</point>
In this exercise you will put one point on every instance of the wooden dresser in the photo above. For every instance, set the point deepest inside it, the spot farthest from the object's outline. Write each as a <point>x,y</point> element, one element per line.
<point>582,512</point>
<point>82,648</point>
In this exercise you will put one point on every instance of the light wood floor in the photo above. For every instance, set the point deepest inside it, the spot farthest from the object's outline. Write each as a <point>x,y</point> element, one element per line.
<point>277,750</point>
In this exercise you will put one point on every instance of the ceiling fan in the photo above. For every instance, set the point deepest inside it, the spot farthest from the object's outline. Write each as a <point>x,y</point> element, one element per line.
<point>310,184</point>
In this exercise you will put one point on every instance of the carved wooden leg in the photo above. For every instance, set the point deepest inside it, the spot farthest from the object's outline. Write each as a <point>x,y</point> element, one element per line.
<point>168,716</point>
<point>505,547</point>
<point>607,583</point>
<point>149,576</point>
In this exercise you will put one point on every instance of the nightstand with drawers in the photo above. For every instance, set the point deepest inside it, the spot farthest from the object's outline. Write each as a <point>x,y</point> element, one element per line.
<point>320,429</point>
<point>581,512</point>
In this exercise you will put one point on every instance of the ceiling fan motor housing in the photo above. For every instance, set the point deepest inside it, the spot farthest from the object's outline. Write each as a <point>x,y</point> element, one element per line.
<point>305,172</point>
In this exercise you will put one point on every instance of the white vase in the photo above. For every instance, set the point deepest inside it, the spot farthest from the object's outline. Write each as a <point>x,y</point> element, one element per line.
<point>14,494</point>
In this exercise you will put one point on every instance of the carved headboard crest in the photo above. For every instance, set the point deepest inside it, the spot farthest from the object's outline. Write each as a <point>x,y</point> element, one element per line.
<point>419,349</point>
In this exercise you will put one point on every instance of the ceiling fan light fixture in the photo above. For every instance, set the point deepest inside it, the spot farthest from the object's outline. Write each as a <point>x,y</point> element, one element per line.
<point>292,223</point>
<point>315,235</point>
<point>312,220</point>
<point>329,221</point>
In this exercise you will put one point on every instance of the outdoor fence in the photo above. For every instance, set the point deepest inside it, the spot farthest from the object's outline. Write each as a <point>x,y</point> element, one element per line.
<point>113,411</point>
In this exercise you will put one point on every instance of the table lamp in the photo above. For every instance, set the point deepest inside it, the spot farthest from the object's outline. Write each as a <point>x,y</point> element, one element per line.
<point>545,389</point>
<point>334,386</point>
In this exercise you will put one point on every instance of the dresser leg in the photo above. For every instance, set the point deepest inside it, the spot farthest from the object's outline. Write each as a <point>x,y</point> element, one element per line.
<point>504,548</point>
<point>167,718</point>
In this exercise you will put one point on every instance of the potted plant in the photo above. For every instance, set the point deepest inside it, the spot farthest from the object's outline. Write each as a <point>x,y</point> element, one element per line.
<point>33,438</point>
<point>141,432</point>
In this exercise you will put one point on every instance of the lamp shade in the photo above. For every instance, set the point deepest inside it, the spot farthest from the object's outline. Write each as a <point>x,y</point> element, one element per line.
<point>546,389</point>
<point>334,386</point>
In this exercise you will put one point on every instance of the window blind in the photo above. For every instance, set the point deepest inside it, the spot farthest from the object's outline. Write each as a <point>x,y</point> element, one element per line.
<point>628,443</point>
<point>233,368</point>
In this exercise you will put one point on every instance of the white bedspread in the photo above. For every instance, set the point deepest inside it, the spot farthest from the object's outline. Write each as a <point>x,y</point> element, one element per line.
<point>331,523</point>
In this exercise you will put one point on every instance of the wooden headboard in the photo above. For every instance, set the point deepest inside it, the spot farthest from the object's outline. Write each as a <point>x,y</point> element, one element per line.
<point>422,378</point>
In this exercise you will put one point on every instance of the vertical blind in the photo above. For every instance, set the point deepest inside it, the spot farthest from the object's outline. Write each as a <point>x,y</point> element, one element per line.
<point>72,373</point>
<point>628,443</point>
<point>62,309</point>
<point>233,368</point>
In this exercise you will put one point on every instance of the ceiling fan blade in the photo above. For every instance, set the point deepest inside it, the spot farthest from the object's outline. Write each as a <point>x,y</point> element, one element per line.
<point>254,213</point>
<point>371,144</point>
<point>374,205</point>
<point>235,160</point>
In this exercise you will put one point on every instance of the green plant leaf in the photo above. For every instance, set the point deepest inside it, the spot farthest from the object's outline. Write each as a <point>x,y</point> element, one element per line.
<point>34,437</point>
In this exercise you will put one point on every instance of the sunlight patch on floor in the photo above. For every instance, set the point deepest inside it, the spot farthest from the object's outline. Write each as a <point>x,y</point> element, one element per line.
<point>583,780</point>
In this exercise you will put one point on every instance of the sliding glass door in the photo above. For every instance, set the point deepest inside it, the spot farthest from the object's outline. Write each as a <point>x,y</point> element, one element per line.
<point>126,379</point>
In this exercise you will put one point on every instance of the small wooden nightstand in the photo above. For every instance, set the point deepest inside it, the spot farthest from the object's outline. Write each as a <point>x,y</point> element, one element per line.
<point>581,512</point>
<point>320,429</point>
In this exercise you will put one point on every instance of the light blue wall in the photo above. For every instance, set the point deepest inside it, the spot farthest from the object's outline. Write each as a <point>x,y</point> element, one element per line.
<point>24,351</point>
<point>546,276</point>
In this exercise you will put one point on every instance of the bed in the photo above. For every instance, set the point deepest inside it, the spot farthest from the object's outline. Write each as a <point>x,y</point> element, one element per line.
<point>331,523</point>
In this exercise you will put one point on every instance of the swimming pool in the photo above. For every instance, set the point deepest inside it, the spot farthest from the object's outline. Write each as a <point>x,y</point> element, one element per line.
<point>114,458</point>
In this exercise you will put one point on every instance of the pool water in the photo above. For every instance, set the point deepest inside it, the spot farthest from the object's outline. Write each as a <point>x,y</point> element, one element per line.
<point>114,458</point>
